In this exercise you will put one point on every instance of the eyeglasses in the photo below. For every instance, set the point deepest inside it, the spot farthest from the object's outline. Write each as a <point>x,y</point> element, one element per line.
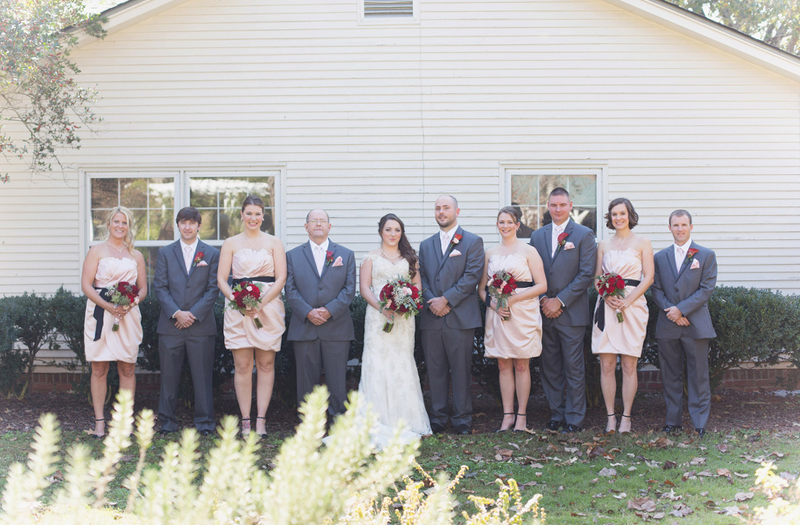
<point>317,221</point>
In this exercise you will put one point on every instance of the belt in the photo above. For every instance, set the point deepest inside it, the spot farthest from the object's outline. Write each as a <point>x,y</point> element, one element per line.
<point>261,279</point>
<point>520,284</point>
<point>600,313</point>
<point>98,313</point>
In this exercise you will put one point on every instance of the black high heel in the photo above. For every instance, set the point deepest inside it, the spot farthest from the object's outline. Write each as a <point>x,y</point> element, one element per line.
<point>614,415</point>
<point>501,423</point>
<point>515,423</point>
<point>264,435</point>
<point>627,431</point>
<point>104,434</point>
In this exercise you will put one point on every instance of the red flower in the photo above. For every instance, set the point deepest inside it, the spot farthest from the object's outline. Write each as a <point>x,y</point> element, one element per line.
<point>328,257</point>
<point>690,252</point>
<point>497,283</point>
<point>562,240</point>
<point>456,239</point>
<point>507,289</point>
<point>619,282</point>
<point>197,259</point>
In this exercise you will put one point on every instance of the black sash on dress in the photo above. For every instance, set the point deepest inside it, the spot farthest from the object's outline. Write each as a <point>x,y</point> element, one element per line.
<point>520,284</point>
<point>98,312</point>
<point>261,279</point>
<point>600,313</point>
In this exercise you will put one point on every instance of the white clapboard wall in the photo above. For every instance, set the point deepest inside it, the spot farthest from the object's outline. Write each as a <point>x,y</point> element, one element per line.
<point>369,117</point>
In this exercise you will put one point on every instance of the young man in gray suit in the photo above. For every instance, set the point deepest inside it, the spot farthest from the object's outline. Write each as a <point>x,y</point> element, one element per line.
<point>320,285</point>
<point>186,286</point>
<point>450,265</point>
<point>685,277</point>
<point>568,251</point>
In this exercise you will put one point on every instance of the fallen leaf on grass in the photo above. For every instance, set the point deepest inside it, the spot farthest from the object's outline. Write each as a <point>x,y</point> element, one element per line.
<point>740,475</point>
<point>662,442</point>
<point>672,496</point>
<point>777,454</point>
<point>530,484</point>
<point>681,511</point>
<point>788,476</point>
<point>722,448</point>
<point>514,445</point>
<point>705,474</point>
<point>608,472</point>
<point>697,461</point>
<point>645,504</point>
<point>669,465</point>
<point>730,511</point>
<point>743,496</point>
<point>621,495</point>
<point>577,514</point>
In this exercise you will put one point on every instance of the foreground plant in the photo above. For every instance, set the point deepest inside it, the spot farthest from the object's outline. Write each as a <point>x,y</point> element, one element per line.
<point>784,499</point>
<point>337,483</point>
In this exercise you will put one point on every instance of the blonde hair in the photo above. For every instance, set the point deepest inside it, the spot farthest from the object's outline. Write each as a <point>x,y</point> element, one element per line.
<point>128,240</point>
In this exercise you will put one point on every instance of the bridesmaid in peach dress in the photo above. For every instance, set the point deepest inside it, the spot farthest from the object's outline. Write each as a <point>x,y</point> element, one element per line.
<point>254,256</point>
<point>631,256</point>
<point>106,264</point>
<point>514,333</point>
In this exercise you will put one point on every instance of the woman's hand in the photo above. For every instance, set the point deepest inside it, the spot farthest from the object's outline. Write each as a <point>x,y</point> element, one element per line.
<point>251,312</point>
<point>388,314</point>
<point>117,311</point>
<point>505,313</point>
<point>613,302</point>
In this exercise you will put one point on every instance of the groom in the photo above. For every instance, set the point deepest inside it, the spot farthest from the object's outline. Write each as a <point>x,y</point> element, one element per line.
<point>320,285</point>
<point>450,265</point>
<point>186,286</point>
<point>684,279</point>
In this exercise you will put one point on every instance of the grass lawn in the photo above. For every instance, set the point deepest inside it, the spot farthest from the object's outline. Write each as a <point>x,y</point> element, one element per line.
<point>684,479</point>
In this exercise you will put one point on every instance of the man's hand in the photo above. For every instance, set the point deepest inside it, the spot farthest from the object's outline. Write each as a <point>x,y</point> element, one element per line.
<point>316,317</point>
<point>324,313</point>
<point>184,319</point>
<point>439,306</point>
<point>683,322</point>
<point>673,314</point>
<point>551,307</point>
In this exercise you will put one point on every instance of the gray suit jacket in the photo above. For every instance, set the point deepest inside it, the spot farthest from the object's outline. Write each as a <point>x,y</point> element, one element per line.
<point>454,278</point>
<point>570,273</point>
<point>196,291</point>
<point>689,290</point>
<point>334,289</point>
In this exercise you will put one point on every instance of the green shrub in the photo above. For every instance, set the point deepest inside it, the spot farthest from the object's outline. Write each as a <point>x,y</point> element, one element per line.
<point>346,479</point>
<point>31,316</point>
<point>12,360</point>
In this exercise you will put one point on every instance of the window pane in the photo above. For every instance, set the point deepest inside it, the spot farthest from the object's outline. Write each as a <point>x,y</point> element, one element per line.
<point>583,189</point>
<point>548,183</point>
<point>585,216</point>
<point>99,231</point>
<point>203,193</point>
<point>133,193</point>
<point>139,228</point>
<point>150,255</point>
<point>219,200</point>
<point>529,221</point>
<point>162,193</point>
<point>105,193</point>
<point>208,226</point>
<point>161,225</point>
<point>524,190</point>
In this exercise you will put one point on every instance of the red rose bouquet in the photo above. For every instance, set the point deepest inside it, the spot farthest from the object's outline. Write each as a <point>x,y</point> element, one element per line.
<point>123,294</point>
<point>246,296</point>
<point>611,285</point>
<point>501,286</point>
<point>402,298</point>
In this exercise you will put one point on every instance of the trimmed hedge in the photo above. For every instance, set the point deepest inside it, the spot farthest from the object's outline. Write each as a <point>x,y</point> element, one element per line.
<point>751,324</point>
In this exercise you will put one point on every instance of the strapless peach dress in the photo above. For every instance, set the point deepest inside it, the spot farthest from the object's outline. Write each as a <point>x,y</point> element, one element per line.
<point>519,337</point>
<point>628,336</point>
<point>122,345</point>
<point>240,330</point>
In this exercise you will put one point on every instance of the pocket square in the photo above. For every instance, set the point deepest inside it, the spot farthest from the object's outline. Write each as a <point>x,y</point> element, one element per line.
<point>202,263</point>
<point>569,246</point>
<point>695,265</point>
<point>337,262</point>
<point>454,253</point>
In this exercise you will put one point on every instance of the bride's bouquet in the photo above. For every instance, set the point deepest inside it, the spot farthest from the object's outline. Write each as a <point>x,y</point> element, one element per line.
<point>246,296</point>
<point>611,285</point>
<point>402,298</point>
<point>501,286</point>
<point>123,294</point>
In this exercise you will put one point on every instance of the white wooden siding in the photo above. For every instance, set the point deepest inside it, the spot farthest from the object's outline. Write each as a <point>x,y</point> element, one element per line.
<point>370,119</point>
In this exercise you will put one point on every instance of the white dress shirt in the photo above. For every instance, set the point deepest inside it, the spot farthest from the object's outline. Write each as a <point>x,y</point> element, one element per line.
<point>319,251</point>
<point>557,230</point>
<point>188,253</point>
<point>680,253</point>
<point>447,236</point>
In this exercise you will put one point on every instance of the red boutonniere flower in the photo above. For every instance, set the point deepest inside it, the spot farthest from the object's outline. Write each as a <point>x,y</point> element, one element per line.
<point>456,239</point>
<point>197,259</point>
<point>562,240</point>
<point>328,257</point>
<point>690,252</point>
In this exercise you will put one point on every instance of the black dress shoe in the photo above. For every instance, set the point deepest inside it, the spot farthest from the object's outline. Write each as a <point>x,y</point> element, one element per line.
<point>700,432</point>
<point>554,425</point>
<point>437,428</point>
<point>206,432</point>
<point>669,429</point>
<point>463,429</point>
<point>571,429</point>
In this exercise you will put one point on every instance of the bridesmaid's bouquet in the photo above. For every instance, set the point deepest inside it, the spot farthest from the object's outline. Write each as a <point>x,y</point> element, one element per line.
<point>402,298</point>
<point>611,285</point>
<point>501,286</point>
<point>122,294</point>
<point>246,296</point>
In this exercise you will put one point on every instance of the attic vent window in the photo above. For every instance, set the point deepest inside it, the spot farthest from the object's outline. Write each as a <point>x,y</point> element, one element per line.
<point>388,9</point>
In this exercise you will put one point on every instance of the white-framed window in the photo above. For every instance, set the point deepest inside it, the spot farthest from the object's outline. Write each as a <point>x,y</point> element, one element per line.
<point>388,11</point>
<point>156,196</point>
<point>528,187</point>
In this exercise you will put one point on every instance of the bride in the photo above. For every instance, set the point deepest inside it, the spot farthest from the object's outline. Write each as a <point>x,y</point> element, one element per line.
<point>389,379</point>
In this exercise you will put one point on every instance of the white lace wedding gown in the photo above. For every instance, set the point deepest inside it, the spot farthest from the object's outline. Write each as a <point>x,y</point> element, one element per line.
<point>389,379</point>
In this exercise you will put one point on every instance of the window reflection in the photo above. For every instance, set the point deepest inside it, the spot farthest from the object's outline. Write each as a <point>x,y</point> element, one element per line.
<point>529,193</point>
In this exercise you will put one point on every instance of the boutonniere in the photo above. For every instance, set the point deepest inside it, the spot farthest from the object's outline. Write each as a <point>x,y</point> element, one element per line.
<point>456,239</point>
<point>690,253</point>
<point>328,257</point>
<point>197,259</point>
<point>562,240</point>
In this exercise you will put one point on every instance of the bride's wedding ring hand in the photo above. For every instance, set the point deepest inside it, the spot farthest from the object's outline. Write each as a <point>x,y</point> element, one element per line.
<point>388,314</point>
<point>505,313</point>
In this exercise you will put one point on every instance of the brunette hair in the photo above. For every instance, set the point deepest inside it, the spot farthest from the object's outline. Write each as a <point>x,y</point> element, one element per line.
<point>252,200</point>
<point>633,217</point>
<point>406,250</point>
<point>680,213</point>
<point>128,240</point>
<point>510,210</point>
<point>189,214</point>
